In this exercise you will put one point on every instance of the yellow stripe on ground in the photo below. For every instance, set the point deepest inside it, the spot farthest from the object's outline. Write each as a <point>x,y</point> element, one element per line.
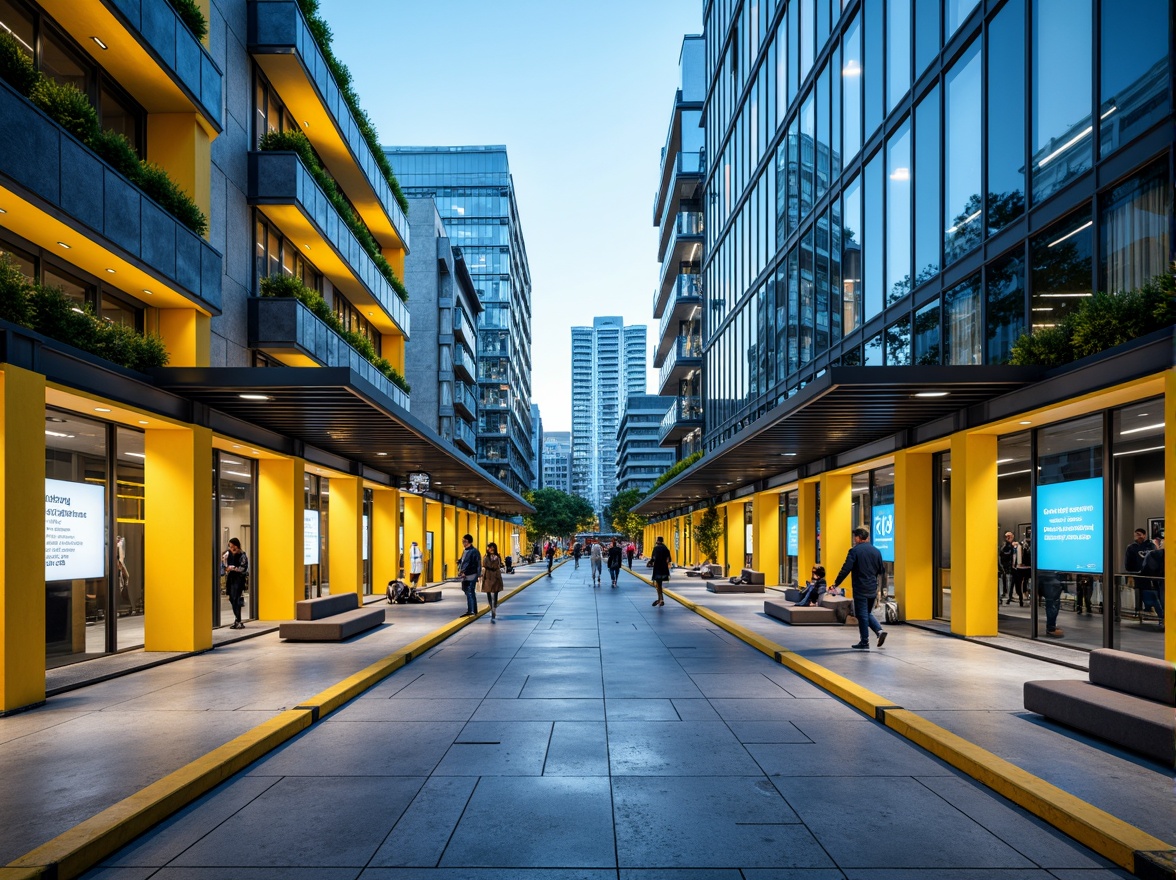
<point>75,851</point>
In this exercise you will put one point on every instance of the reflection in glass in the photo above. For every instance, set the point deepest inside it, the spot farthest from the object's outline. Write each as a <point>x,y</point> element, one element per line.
<point>1062,143</point>
<point>1061,270</point>
<point>835,233</point>
<point>875,72</point>
<point>851,90</point>
<point>898,213</point>
<point>822,147</point>
<point>793,311</point>
<point>898,343</point>
<point>1005,307</point>
<point>926,33</point>
<point>874,351</point>
<point>1006,103</point>
<point>808,148</point>
<point>928,235</point>
<point>782,321</point>
<point>851,256</point>
<point>1133,91</point>
<point>961,323</point>
<point>1134,223</point>
<point>957,11</point>
<point>898,51</point>
<point>962,168</point>
<point>926,335</point>
<point>807,298</point>
<point>872,281</point>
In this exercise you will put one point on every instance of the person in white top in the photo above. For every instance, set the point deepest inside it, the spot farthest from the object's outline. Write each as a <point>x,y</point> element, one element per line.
<point>416,563</point>
<point>597,559</point>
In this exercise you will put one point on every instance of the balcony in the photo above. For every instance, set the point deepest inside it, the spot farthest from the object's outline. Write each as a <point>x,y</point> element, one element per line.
<point>682,418</point>
<point>464,437</point>
<point>283,188</point>
<point>290,332</point>
<point>685,249</point>
<point>283,47</point>
<point>465,404</point>
<point>685,356</point>
<point>686,115</point>
<point>57,193</point>
<point>684,305</point>
<point>151,53</point>
<point>463,329</point>
<point>464,365</point>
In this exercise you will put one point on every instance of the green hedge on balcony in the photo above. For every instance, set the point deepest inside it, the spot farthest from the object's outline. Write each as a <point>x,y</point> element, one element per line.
<point>675,469</point>
<point>288,286</point>
<point>192,17</point>
<point>48,311</point>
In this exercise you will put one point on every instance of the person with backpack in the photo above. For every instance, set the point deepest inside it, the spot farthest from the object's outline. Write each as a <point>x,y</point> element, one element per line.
<point>864,563</point>
<point>550,554</point>
<point>614,561</point>
<point>577,551</point>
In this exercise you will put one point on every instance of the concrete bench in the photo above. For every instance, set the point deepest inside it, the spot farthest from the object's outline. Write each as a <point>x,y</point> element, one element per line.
<point>831,610</point>
<point>329,619</point>
<point>753,577</point>
<point>1128,701</point>
<point>748,582</point>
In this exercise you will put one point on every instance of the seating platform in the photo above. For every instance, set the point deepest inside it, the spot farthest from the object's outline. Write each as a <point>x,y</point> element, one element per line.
<point>330,619</point>
<point>830,610</point>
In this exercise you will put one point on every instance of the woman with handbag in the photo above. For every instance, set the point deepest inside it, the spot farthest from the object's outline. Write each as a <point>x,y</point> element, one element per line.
<point>235,565</point>
<point>492,577</point>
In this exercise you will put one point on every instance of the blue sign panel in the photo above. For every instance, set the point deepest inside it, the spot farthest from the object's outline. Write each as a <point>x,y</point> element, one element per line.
<point>1070,526</point>
<point>792,541</point>
<point>882,534</point>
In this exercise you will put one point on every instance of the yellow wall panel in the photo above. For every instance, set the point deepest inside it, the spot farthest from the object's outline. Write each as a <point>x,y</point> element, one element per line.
<point>280,574</point>
<point>345,534</point>
<point>974,529</point>
<point>766,546</point>
<point>913,518</point>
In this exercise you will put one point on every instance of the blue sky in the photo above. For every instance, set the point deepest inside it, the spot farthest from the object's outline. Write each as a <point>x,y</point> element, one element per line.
<point>581,94</point>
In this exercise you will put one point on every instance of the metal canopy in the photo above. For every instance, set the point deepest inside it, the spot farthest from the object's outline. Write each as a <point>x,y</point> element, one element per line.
<point>844,409</point>
<point>334,409</point>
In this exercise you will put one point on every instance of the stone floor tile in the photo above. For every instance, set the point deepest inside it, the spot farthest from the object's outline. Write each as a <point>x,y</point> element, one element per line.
<point>420,837</point>
<point>577,748</point>
<point>362,748</point>
<point>497,748</point>
<point>677,748</point>
<point>556,709</point>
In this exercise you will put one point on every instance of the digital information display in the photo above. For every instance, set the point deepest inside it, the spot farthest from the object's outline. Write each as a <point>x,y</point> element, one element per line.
<point>792,540</point>
<point>75,527</point>
<point>1069,530</point>
<point>310,537</point>
<point>882,535</point>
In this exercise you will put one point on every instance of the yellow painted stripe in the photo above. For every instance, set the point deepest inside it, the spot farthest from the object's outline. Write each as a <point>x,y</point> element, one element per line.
<point>75,851</point>
<point>1105,834</point>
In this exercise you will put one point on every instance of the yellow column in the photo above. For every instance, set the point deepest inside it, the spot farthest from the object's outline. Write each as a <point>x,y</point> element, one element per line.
<point>766,546</point>
<point>913,526</point>
<point>1169,512</point>
<point>345,536</point>
<point>22,487</point>
<point>178,539</point>
<point>806,528</point>
<point>187,335</point>
<point>974,526</point>
<point>441,559</point>
<point>179,144</point>
<point>414,529</point>
<point>385,526</point>
<point>736,538</point>
<point>836,523</point>
<point>279,571</point>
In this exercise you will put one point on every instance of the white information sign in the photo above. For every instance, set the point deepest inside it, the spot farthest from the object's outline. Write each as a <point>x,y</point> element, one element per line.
<point>75,527</point>
<point>310,537</point>
<point>365,537</point>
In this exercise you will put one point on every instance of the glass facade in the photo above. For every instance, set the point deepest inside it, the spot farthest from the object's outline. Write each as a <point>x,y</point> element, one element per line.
<point>964,177</point>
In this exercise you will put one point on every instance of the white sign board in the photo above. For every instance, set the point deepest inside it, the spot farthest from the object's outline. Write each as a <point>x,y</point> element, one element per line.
<point>75,531</point>
<point>310,537</point>
<point>365,537</point>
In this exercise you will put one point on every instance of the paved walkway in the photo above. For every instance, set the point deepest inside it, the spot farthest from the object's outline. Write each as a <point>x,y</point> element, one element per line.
<point>584,734</point>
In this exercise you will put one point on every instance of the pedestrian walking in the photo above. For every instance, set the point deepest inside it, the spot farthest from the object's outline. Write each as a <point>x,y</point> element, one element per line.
<point>614,561</point>
<point>416,563</point>
<point>550,554</point>
<point>630,552</point>
<point>864,563</point>
<point>492,577</point>
<point>1023,569</point>
<point>1006,556</point>
<point>660,556</point>
<point>235,567</point>
<point>577,550</point>
<point>596,560</point>
<point>469,567</point>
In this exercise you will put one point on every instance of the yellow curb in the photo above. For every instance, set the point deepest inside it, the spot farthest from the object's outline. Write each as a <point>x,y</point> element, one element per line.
<point>1102,832</point>
<point>78,849</point>
<point>83,846</point>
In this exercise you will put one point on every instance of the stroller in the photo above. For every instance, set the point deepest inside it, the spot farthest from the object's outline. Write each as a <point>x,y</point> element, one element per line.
<point>400,593</point>
<point>508,565</point>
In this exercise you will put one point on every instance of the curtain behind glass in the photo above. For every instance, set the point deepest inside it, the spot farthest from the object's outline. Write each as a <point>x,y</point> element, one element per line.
<point>1135,222</point>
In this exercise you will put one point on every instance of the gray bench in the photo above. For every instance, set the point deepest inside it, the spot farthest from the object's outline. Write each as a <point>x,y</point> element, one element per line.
<point>830,610</point>
<point>749,581</point>
<point>330,619</point>
<point>705,571</point>
<point>1128,701</point>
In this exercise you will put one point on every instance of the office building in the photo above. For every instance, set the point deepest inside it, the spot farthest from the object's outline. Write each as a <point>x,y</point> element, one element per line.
<point>894,193</point>
<point>677,301</point>
<point>608,364</point>
<point>475,196</point>
<point>263,250</point>
<point>557,460</point>
<point>536,447</point>
<point>441,358</point>
<point>640,457</point>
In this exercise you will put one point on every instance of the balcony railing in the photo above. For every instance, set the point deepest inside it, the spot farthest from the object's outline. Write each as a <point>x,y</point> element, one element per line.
<point>464,436</point>
<point>687,291</point>
<point>683,163</point>
<point>64,178</point>
<point>464,363</point>
<point>280,325</point>
<point>464,400</point>
<point>463,329</point>
<point>686,353</point>
<point>681,418</point>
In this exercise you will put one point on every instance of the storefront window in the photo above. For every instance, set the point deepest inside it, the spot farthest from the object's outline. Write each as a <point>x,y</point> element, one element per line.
<point>1005,306</point>
<point>236,509</point>
<point>1014,505</point>
<point>1061,271</point>
<point>316,509</point>
<point>961,323</point>
<point>926,336</point>
<point>789,538</point>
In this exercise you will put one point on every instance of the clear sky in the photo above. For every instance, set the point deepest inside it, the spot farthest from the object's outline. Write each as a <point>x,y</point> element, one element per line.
<point>581,95</point>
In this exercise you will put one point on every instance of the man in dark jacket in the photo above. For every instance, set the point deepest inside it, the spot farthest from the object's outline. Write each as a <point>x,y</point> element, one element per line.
<point>865,563</point>
<point>1152,593</point>
<point>1133,564</point>
<point>469,568</point>
<point>614,561</point>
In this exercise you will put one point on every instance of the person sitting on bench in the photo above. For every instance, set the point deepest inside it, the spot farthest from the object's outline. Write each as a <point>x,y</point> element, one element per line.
<point>814,589</point>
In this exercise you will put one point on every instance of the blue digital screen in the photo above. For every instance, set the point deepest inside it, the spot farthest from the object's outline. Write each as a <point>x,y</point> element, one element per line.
<point>792,541</point>
<point>1069,530</point>
<point>882,535</point>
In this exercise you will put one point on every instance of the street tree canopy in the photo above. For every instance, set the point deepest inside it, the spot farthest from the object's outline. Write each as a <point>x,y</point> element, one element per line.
<point>557,513</point>
<point>619,513</point>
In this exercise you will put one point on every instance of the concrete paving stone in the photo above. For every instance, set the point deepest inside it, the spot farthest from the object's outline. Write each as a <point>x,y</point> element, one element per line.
<point>666,682</point>
<point>696,710</point>
<point>937,874</point>
<point>235,872</point>
<point>367,708</point>
<point>738,685</point>
<point>793,874</point>
<point>174,835</point>
<point>836,749</point>
<point>1080,874</point>
<point>489,874</point>
<point>547,822</point>
<point>347,748</point>
<point>714,822</point>
<point>473,680</point>
<point>297,823</point>
<point>1018,828</point>
<point>677,748</point>
<point>787,710</point>
<point>14,727</point>
<point>539,710</point>
<point>577,748</point>
<point>420,837</point>
<point>876,823</point>
<point>497,748</point>
<point>574,684</point>
<point>767,732</point>
<point>119,874</point>
<point>680,874</point>
<point>796,685</point>
<point>643,710</point>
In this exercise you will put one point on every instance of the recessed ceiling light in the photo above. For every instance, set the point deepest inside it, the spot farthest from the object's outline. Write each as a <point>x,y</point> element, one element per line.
<point>64,245</point>
<point>255,397</point>
<point>148,292</point>
<point>2,211</point>
<point>144,422</point>
<point>306,246</point>
<point>932,394</point>
<point>1024,423</point>
<point>111,271</point>
<point>101,45</point>
<point>135,454</point>
<point>381,453</point>
<point>101,409</point>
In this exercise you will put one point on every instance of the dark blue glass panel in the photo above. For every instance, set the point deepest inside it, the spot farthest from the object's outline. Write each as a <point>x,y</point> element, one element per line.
<point>851,256</point>
<point>928,226</point>
<point>1006,116</point>
<point>1005,307</point>
<point>872,281</point>
<point>898,51</point>
<point>898,213</point>
<point>874,71</point>
<point>926,33</point>
<point>926,335</point>
<point>1133,91</point>
<point>962,160</point>
<point>1062,142</point>
<point>851,91</point>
